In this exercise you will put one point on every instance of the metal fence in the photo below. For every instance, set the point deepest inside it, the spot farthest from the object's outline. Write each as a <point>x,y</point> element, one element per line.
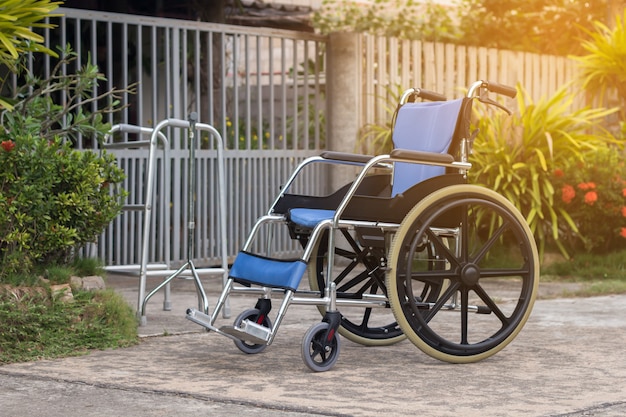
<point>261,89</point>
<point>264,90</point>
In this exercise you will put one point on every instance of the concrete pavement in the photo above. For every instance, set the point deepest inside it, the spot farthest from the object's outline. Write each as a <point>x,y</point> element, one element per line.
<point>568,361</point>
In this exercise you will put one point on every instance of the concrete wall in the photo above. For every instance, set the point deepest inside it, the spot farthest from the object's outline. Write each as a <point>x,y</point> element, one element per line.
<point>343,89</point>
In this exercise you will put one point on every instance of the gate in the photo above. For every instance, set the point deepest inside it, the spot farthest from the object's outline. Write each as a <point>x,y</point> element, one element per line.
<point>262,89</point>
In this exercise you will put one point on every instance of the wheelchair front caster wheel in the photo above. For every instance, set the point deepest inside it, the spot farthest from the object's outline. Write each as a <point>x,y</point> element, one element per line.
<point>252,315</point>
<point>362,274</point>
<point>320,348</point>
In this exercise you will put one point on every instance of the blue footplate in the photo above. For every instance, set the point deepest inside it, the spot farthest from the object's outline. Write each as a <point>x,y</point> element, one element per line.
<point>259,270</point>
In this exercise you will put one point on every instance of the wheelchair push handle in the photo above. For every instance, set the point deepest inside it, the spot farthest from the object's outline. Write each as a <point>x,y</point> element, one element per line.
<point>420,92</point>
<point>501,89</point>
<point>480,90</point>
<point>431,95</point>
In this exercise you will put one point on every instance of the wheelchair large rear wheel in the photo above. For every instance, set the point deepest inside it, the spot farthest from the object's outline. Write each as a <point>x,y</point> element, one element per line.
<point>488,261</point>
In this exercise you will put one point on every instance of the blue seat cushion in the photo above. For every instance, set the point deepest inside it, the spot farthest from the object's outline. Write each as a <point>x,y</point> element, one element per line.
<point>310,218</point>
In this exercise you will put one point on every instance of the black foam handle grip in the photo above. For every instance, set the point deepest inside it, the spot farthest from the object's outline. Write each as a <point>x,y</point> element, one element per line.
<point>502,89</point>
<point>431,95</point>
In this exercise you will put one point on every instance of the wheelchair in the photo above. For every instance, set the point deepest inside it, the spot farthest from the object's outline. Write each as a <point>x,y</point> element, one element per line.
<point>408,249</point>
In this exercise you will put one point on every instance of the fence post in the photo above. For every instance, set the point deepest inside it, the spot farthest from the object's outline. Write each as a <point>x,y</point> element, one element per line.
<point>343,92</point>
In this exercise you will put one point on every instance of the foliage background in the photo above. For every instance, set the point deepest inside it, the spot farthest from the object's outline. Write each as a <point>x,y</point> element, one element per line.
<point>554,27</point>
<point>517,155</point>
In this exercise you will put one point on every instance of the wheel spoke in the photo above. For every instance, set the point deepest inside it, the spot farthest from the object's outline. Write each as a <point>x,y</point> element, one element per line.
<point>449,293</point>
<point>366,319</point>
<point>358,273</point>
<point>465,246</point>
<point>361,279</point>
<point>480,291</point>
<point>503,273</point>
<point>484,250</point>
<point>441,249</point>
<point>464,315</point>
<point>430,276</point>
<point>351,241</point>
<point>349,268</point>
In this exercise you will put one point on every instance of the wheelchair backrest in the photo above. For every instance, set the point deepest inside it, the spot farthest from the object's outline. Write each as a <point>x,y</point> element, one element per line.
<point>427,127</point>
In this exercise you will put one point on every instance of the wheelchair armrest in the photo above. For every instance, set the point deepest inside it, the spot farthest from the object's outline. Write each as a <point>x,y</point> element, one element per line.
<point>432,157</point>
<point>344,156</point>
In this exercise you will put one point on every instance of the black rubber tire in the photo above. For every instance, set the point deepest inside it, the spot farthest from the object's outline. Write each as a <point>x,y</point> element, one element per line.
<point>316,354</point>
<point>492,266</point>
<point>252,315</point>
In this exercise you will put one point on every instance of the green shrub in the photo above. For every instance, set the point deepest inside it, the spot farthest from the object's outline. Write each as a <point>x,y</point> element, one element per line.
<point>57,274</point>
<point>88,266</point>
<point>602,67</point>
<point>60,105</point>
<point>54,198</point>
<point>517,155</point>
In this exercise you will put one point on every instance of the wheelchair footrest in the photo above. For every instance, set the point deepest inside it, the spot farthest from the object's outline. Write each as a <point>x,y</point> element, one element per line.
<point>200,318</point>
<point>249,331</point>
<point>254,269</point>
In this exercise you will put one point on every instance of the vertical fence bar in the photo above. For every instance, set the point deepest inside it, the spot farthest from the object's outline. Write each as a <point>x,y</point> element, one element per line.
<point>283,91</point>
<point>416,52</point>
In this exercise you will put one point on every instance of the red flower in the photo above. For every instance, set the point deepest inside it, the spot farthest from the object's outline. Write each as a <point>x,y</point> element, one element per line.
<point>586,186</point>
<point>624,192</point>
<point>591,197</point>
<point>624,211</point>
<point>622,233</point>
<point>7,145</point>
<point>558,173</point>
<point>568,193</point>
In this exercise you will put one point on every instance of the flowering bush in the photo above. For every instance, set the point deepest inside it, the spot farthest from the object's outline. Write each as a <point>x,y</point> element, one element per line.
<point>52,199</point>
<point>517,155</point>
<point>593,194</point>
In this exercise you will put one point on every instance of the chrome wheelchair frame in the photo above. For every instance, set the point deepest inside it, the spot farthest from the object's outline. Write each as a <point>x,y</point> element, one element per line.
<point>420,265</point>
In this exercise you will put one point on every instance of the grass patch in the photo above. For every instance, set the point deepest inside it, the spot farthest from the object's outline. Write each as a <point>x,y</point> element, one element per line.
<point>85,267</point>
<point>56,274</point>
<point>588,267</point>
<point>598,274</point>
<point>34,325</point>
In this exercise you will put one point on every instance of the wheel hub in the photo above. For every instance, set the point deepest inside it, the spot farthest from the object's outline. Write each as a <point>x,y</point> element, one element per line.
<point>470,274</point>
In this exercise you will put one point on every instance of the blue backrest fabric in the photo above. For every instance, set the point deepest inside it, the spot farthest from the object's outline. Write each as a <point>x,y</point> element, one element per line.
<point>426,127</point>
